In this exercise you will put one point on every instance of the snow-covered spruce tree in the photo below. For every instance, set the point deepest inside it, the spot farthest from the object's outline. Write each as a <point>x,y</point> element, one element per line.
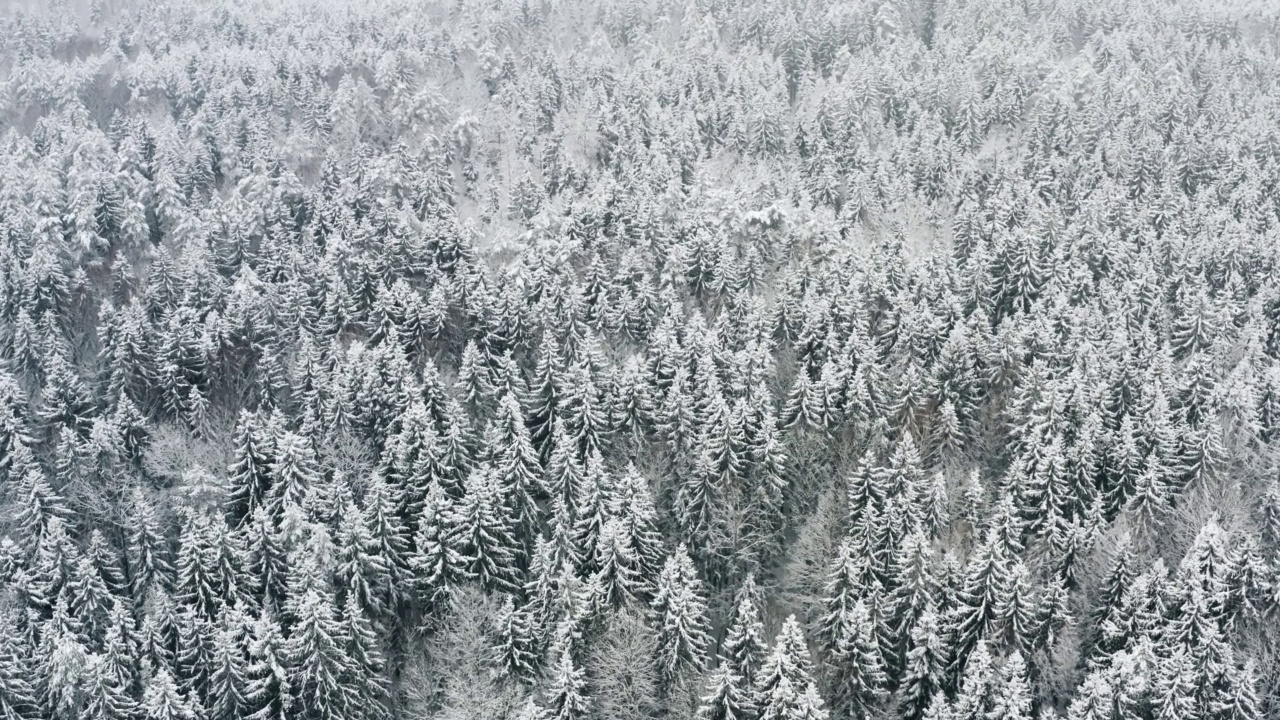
<point>679,615</point>
<point>784,687</point>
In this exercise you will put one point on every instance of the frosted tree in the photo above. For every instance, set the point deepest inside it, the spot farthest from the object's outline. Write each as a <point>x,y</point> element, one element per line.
<point>163,701</point>
<point>858,674</point>
<point>565,697</point>
<point>250,475</point>
<point>743,646</point>
<point>18,698</point>
<point>679,613</point>
<point>619,571</point>
<point>315,653</point>
<point>293,472</point>
<point>437,560</point>
<point>727,696</point>
<point>784,688</point>
<point>481,533</point>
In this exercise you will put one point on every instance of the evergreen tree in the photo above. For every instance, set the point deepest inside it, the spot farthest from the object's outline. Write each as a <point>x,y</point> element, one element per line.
<point>228,679</point>
<point>619,572</point>
<point>437,559</point>
<point>358,570</point>
<point>631,502</point>
<point>390,547</point>
<point>784,687</point>
<point>986,589</point>
<point>62,671</point>
<point>858,675</point>
<point>679,612</point>
<point>163,701</point>
<point>979,686</point>
<point>105,698</point>
<point>481,534</point>
<point>18,699</point>
<point>251,467</point>
<point>926,667</point>
<point>365,683</point>
<point>743,647</point>
<point>315,651</point>
<point>565,697</point>
<point>293,472</point>
<point>1094,700</point>
<point>517,646</point>
<point>271,672</point>
<point>727,696</point>
<point>516,463</point>
<point>265,558</point>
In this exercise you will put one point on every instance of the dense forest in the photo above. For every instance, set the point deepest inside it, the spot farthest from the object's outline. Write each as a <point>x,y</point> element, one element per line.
<point>640,359</point>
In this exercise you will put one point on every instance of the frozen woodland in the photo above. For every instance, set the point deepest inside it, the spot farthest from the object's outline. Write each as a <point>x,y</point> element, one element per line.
<point>640,359</point>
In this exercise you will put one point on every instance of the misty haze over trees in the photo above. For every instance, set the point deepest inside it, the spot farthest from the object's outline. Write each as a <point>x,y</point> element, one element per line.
<point>640,359</point>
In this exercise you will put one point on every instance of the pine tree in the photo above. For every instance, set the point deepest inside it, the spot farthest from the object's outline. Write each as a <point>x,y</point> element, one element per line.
<point>481,533</point>
<point>858,673</point>
<point>986,588</point>
<point>315,653</point>
<point>743,647</point>
<point>473,376</point>
<point>455,457</point>
<point>679,611</point>
<point>1175,686</point>
<point>413,460</point>
<point>228,678</point>
<point>389,548</point>
<point>64,400</point>
<point>270,673</point>
<point>1094,700</point>
<point>193,660</point>
<point>158,635</point>
<point>728,696</point>
<point>293,471</point>
<point>40,505</point>
<point>916,584</point>
<point>516,463</point>
<point>1013,695</point>
<point>18,699</point>
<point>926,667</point>
<point>1241,701</point>
<point>365,682</point>
<point>565,697</point>
<point>437,560</point>
<point>1117,582</point>
<point>264,559</point>
<point>62,672</point>
<point>358,569</point>
<point>88,598</point>
<point>199,585</point>
<point>15,435</point>
<point>517,643</point>
<point>631,502</point>
<point>619,571</point>
<point>585,419</point>
<point>147,551</point>
<point>696,497</point>
<point>1019,610</point>
<point>163,701</point>
<point>105,698</point>
<point>251,467</point>
<point>784,688</point>
<point>979,686</point>
<point>846,586</point>
<point>544,395</point>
